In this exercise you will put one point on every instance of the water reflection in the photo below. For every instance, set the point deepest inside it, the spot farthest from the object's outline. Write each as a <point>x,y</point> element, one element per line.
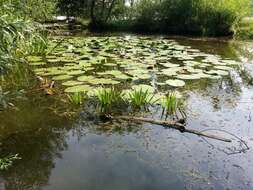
<point>61,152</point>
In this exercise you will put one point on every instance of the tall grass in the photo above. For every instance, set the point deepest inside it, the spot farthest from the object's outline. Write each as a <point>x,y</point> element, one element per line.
<point>171,104</point>
<point>18,37</point>
<point>140,98</point>
<point>76,98</point>
<point>108,99</point>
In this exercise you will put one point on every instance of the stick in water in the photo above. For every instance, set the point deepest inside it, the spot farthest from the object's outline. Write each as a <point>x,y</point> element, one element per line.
<point>177,124</point>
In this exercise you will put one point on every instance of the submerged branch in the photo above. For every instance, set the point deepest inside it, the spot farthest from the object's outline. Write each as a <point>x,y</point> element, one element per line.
<point>174,124</point>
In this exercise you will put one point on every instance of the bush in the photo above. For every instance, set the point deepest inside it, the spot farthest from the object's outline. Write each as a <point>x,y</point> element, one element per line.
<point>147,16</point>
<point>198,17</point>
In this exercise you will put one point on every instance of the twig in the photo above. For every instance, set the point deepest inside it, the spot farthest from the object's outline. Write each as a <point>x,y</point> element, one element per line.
<point>177,124</point>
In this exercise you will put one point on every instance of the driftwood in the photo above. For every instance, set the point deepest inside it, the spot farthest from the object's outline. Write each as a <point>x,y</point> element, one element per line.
<point>177,124</point>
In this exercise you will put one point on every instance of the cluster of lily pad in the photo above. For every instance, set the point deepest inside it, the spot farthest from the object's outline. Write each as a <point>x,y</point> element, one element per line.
<point>85,64</point>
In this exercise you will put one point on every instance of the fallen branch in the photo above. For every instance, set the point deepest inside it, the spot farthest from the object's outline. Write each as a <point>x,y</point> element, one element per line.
<point>177,124</point>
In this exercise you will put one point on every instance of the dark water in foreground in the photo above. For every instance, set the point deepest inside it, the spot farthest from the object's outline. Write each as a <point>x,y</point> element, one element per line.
<point>62,153</point>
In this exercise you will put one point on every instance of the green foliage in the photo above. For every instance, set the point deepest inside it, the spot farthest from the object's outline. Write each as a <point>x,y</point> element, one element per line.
<point>72,8</point>
<point>139,98</point>
<point>200,17</point>
<point>245,29</point>
<point>171,104</point>
<point>108,98</point>
<point>36,10</point>
<point>18,37</point>
<point>7,162</point>
<point>147,15</point>
<point>76,98</point>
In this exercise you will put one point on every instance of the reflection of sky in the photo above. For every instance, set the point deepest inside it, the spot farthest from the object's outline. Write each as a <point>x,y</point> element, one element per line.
<point>149,158</point>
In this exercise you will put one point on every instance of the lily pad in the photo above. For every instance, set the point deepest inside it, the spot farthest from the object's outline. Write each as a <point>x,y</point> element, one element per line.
<point>76,72</point>
<point>62,77</point>
<point>85,78</point>
<point>72,83</point>
<point>218,72</point>
<point>143,87</point>
<point>175,83</point>
<point>37,63</point>
<point>188,77</point>
<point>78,88</point>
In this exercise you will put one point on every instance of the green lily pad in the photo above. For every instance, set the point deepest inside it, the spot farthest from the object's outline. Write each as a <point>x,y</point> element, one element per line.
<point>175,83</point>
<point>37,63</point>
<point>143,87</point>
<point>103,81</point>
<point>218,72</point>
<point>76,72</point>
<point>85,78</point>
<point>78,88</point>
<point>72,83</point>
<point>62,77</point>
<point>169,65</point>
<point>223,68</point>
<point>34,59</point>
<point>188,77</point>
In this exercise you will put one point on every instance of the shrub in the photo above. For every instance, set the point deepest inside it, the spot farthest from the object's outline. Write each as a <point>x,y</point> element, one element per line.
<point>205,17</point>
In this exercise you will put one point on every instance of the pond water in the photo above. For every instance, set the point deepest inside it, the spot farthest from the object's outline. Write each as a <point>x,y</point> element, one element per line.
<point>62,150</point>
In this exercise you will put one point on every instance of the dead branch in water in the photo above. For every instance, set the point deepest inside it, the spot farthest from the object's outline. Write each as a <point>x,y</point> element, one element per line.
<point>177,124</point>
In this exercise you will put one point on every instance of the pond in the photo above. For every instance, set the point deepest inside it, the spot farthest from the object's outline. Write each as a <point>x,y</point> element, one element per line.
<point>66,148</point>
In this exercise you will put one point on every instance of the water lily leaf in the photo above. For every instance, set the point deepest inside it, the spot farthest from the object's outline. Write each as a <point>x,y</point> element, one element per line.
<point>223,68</point>
<point>175,83</point>
<point>72,83</point>
<point>103,81</point>
<point>75,72</point>
<point>218,72</point>
<point>85,78</point>
<point>54,72</point>
<point>169,65</point>
<point>37,63</point>
<point>188,77</point>
<point>143,87</point>
<point>171,71</point>
<point>231,62</point>
<point>34,59</point>
<point>78,88</point>
<point>144,76</point>
<point>62,77</point>
<point>191,63</point>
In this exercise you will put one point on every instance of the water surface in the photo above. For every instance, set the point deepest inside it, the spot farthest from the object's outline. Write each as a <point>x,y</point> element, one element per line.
<point>61,152</point>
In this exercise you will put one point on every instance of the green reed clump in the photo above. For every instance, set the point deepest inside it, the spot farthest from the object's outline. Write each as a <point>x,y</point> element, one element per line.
<point>109,98</point>
<point>171,104</point>
<point>76,98</point>
<point>7,162</point>
<point>140,98</point>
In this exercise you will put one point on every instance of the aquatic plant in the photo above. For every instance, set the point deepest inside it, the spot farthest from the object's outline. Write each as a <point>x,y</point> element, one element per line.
<point>76,98</point>
<point>108,98</point>
<point>140,98</point>
<point>171,104</point>
<point>7,162</point>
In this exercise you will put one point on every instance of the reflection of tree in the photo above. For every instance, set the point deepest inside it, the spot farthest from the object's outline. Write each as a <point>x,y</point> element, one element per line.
<point>38,135</point>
